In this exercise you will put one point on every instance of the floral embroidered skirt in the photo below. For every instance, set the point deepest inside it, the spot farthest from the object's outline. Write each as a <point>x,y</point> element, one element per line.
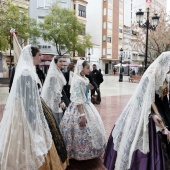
<point>87,142</point>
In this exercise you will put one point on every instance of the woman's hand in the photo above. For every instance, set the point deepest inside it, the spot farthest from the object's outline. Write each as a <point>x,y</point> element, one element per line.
<point>83,121</point>
<point>158,121</point>
<point>62,105</point>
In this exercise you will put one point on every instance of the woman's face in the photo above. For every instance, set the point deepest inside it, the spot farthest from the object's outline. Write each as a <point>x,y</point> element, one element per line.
<point>86,69</point>
<point>37,58</point>
<point>60,63</point>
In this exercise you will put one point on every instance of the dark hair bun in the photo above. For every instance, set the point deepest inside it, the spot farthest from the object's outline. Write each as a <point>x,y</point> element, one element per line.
<point>56,58</point>
<point>34,50</point>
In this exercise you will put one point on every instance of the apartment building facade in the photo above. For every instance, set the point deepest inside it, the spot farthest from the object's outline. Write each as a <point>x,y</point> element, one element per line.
<point>112,32</point>
<point>40,8</point>
<point>94,28</point>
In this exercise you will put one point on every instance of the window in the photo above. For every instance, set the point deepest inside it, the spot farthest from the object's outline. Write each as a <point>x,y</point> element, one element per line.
<point>104,37</point>
<point>104,25</point>
<point>44,47</point>
<point>74,6</point>
<point>109,25</point>
<point>120,40</point>
<point>40,4</point>
<point>109,51</point>
<point>82,11</point>
<point>120,4</point>
<point>120,30</point>
<point>110,12</point>
<point>47,3</point>
<point>109,39</point>
<point>104,51</point>
<point>120,17</point>
<point>63,4</point>
<point>110,1</point>
<point>40,19</point>
<point>104,11</point>
<point>44,3</point>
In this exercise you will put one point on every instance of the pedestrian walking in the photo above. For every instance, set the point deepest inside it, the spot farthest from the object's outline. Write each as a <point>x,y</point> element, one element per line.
<point>98,79</point>
<point>25,138</point>
<point>114,71</point>
<point>140,137</point>
<point>68,76</point>
<point>81,125</point>
<point>52,88</point>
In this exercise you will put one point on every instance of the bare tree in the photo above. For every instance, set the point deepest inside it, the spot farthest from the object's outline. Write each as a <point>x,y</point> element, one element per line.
<point>159,40</point>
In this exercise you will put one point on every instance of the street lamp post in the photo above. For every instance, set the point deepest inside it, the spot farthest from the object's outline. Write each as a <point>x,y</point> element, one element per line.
<point>128,66</point>
<point>121,69</point>
<point>89,56</point>
<point>147,26</point>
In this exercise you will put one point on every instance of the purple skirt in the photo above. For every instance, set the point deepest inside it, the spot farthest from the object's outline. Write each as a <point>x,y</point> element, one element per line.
<point>154,160</point>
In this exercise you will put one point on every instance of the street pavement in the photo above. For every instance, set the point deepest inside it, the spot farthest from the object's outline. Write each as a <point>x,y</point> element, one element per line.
<point>115,96</point>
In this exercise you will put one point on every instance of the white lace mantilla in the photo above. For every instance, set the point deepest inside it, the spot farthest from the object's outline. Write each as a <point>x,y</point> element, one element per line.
<point>131,129</point>
<point>25,138</point>
<point>52,88</point>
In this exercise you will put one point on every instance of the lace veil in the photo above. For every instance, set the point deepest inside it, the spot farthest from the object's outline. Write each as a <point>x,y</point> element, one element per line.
<point>131,129</point>
<point>52,88</point>
<point>78,69</point>
<point>25,138</point>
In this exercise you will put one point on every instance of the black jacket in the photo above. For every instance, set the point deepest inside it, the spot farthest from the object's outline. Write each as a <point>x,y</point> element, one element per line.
<point>92,81</point>
<point>97,77</point>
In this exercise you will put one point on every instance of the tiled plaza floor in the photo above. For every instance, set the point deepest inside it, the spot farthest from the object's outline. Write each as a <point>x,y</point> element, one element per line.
<point>115,97</point>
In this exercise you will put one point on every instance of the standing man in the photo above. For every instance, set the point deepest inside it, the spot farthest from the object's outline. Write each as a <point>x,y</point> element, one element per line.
<point>98,79</point>
<point>133,72</point>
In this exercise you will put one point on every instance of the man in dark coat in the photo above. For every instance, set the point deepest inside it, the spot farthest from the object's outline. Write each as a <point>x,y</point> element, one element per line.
<point>97,77</point>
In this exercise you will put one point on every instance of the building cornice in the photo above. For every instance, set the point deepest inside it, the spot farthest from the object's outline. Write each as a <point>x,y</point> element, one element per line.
<point>82,1</point>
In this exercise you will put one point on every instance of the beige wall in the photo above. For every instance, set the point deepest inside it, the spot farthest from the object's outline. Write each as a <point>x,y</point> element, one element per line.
<point>81,2</point>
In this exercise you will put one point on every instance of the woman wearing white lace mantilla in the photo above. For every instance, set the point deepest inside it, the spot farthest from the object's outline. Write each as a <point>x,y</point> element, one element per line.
<point>140,137</point>
<point>25,139</point>
<point>52,88</point>
<point>81,126</point>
